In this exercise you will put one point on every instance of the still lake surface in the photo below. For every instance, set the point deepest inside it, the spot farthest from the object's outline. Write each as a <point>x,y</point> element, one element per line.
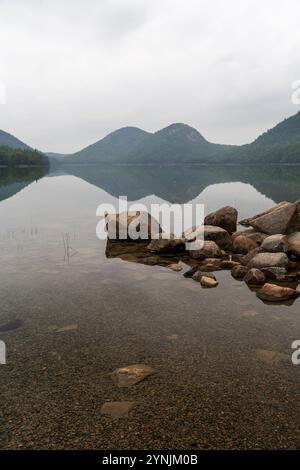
<point>224,377</point>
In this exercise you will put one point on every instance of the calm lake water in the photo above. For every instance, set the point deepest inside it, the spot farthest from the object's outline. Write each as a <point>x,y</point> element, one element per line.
<point>224,377</point>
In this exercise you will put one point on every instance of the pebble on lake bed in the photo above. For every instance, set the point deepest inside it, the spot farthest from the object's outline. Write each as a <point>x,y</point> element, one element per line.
<point>117,409</point>
<point>131,375</point>
<point>271,357</point>
<point>66,328</point>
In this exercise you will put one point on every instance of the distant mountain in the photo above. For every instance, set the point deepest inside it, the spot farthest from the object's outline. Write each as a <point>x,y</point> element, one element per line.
<point>285,133</point>
<point>8,140</point>
<point>177,143</point>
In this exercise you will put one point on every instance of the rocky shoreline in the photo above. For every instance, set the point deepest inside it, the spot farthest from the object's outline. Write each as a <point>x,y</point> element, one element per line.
<point>266,255</point>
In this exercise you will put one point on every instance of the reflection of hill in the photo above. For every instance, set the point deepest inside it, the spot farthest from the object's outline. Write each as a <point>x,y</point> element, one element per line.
<point>13,180</point>
<point>179,184</point>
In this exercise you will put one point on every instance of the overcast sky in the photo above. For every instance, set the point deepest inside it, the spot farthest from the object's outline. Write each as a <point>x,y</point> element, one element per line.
<point>77,69</point>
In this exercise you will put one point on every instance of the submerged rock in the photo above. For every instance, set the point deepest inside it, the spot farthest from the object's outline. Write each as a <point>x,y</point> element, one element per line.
<point>239,271</point>
<point>191,272</point>
<point>243,244</point>
<point>226,218</point>
<point>275,220</point>
<point>274,293</point>
<point>274,243</point>
<point>117,409</point>
<point>255,277</point>
<point>265,260</point>
<point>198,275</point>
<point>131,375</point>
<point>175,267</point>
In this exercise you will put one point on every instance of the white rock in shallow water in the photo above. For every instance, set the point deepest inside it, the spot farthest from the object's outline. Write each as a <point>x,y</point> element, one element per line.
<point>206,281</point>
<point>131,375</point>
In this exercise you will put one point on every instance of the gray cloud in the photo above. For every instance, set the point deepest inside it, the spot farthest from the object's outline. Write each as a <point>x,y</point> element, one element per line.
<point>75,70</point>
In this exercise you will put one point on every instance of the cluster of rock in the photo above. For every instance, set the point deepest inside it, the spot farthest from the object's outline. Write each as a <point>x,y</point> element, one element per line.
<point>266,255</point>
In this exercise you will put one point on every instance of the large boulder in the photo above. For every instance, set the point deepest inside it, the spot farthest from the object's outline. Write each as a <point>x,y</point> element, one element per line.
<point>209,250</point>
<point>255,277</point>
<point>266,260</point>
<point>225,218</point>
<point>133,226</point>
<point>243,245</point>
<point>274,243</point>
<point>196,235</point>
<point>295,222</point>
<point>275,220</point>
<point>293,244</point>
<point>274,293</point>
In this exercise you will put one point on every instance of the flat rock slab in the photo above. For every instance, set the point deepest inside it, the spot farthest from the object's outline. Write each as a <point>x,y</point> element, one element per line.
<point>271,357</point>
<point>131,375</point>
<point>117,409</point>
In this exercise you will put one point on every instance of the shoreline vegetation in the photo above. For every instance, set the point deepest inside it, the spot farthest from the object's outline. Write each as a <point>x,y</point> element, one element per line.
<point>22,158</point>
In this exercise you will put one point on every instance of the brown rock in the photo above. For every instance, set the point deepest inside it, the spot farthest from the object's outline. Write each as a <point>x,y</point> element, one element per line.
<point>273,221</point>
<point>274,243</point>
<point>209,250</point>
<point>163,245</point>
<point>208,232</point>
<point>117,409</point>
<point>175,267</point>
<point>134,226</point>
<point>228,264</point>
<point>131,375</point>
<point>208,282</point>
<point>225,218</point>
<point>239,271</point>
<point>198,275</point>
<point>243,244</point>
<point>293,244</point>
<point>274,293</point>
<point>255,277</point>
<point>257,237</point>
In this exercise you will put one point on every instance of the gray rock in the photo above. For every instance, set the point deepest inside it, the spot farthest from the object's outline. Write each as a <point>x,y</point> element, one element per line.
<point>208,232</point>
<point>243,244</point>
<point>209,250</point>
<point>274,243</point>
<point>255,277</point>
<point>279,274</point>
<point>239,271</point>
<point>266,260</point>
